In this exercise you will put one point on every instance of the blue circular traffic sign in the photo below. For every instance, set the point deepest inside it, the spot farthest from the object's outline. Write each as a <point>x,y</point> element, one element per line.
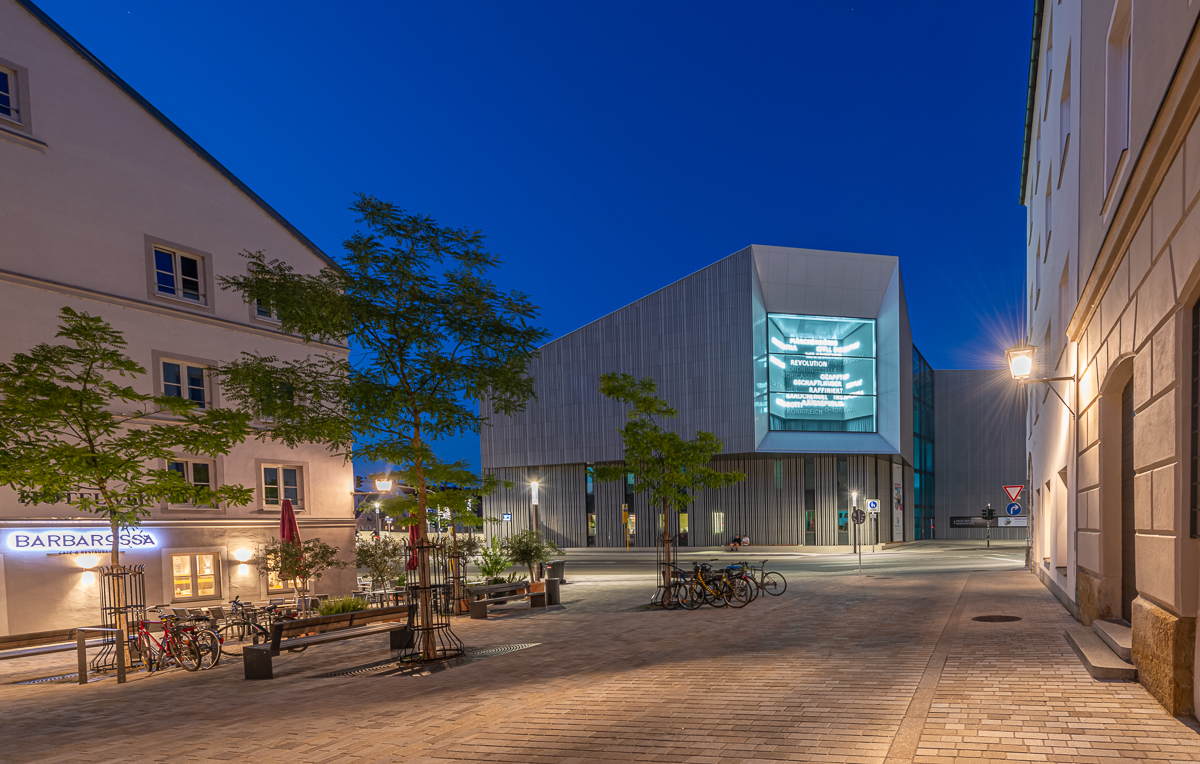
<point>1013,509</point>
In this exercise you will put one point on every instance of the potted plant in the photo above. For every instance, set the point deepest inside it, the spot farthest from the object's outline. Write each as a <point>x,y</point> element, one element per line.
<point>528,548</point>
<point>492,561</point>
<point>298,562</point>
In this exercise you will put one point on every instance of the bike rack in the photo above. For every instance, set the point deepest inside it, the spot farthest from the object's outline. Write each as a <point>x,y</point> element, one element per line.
<point>81,649</point>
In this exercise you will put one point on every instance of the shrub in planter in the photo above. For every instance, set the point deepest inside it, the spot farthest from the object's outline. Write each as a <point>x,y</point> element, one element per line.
<point>339,605</point>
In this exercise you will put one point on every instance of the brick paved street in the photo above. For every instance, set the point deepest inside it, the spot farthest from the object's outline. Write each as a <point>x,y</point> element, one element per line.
<point>839,669</point>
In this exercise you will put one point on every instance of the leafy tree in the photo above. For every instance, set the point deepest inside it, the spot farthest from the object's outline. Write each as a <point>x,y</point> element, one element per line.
<point>300,562</point>
<point>493,560</point>
<point>451,490</point>
<point>528,548</point>
<point>665,466</point>
<point>71,424</point>
<point>383,557</point>
<point>431,334</point>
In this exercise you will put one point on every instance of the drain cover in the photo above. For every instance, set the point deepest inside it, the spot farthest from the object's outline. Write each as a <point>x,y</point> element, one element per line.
<point>398,668</point>
<point>996,618</point>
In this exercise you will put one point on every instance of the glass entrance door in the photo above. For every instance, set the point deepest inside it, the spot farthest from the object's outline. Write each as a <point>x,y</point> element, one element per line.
<point>810,527</point>
<point>843,526</point>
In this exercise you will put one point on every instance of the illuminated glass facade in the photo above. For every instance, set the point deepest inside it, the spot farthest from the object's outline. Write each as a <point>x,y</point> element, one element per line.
<point>821,373</point>
<point>922,447</point>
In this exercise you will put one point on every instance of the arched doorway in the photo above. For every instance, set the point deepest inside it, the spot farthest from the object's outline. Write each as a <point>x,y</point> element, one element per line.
<point>1128,528</point>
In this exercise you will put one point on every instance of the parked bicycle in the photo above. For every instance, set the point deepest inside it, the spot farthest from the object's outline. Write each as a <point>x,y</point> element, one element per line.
<point>173,649</point>
<point>243,621</point>
<point>766,581</point>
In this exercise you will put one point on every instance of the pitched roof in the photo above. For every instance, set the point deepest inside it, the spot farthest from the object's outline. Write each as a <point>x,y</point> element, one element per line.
<point>88,56</point>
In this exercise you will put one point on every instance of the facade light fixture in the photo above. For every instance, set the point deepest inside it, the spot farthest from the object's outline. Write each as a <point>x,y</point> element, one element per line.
<point>383,484</point>
<point>1020,365</point>
<point>242,555</point>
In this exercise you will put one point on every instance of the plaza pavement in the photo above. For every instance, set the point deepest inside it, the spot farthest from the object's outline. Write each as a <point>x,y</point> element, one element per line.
<point>887,668</point>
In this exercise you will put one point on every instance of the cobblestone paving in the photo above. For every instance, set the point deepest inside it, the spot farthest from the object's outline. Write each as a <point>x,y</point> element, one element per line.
<point>838,669</point>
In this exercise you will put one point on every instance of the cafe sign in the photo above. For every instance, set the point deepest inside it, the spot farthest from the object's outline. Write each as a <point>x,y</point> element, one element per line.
<point>58,541</point>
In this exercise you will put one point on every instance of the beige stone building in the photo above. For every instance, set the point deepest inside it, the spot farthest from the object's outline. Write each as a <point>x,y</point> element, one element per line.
<point>1110,179</point>
<point>108,207</point>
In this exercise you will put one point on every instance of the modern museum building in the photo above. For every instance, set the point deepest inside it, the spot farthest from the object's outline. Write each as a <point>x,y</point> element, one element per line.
<point>800,361</point>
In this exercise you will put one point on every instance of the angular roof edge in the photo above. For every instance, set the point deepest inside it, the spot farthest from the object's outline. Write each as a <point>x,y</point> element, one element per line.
<point>88,56</point>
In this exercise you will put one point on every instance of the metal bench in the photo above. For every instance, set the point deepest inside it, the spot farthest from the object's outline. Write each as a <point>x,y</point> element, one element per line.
<point>299,634</point>
<point>482,596</point>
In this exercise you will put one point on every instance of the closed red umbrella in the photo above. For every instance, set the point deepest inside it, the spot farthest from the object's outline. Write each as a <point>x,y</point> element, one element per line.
<point>414,538</point>
<point>289,530</point>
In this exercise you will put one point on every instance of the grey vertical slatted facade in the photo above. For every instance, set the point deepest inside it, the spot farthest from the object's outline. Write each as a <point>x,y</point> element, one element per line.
<point>697,339</point>
<point>980,434</point>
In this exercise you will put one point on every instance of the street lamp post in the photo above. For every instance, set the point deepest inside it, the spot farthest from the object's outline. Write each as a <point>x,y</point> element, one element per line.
<point>853,514</point>
<point>1020,359</point>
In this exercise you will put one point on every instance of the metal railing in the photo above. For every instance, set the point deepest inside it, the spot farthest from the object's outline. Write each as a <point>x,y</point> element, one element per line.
<point>81,651</point>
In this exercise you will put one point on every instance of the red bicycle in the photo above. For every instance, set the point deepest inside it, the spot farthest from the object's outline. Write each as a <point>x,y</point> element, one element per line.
<point>177,646</point>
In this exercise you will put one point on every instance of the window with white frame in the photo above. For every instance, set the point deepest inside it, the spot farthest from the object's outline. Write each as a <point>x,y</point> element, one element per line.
<point>263,313</point>
<point>185,380</point>
<point>10,105</point>
<point>282,481</point>
<point>195,576</point>
<point>179,275</point>
<point>1116,92</point>
<point>195,472</point>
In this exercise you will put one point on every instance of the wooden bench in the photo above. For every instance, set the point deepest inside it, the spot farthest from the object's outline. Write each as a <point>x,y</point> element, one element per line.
<point>482,596</point>
<point>396,622</point>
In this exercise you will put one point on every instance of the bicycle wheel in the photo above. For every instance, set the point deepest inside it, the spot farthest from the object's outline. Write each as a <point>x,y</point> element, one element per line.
<point>186,651</point>
<point>739,593</point>
<point>209,646</point>
<point>147,653</point>
<point>773,583</point>
<point>671,596</point>
<point>693,596</point>
<point>716,593</point>
<point>234,630</point>
<point>751,586</point>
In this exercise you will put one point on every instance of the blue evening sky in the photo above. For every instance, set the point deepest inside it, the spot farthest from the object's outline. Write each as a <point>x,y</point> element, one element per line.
<point>608,149</point>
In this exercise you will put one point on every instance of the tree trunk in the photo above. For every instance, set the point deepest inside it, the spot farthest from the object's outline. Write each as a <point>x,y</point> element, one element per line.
<point>426,636</point>
<point>666,571</point>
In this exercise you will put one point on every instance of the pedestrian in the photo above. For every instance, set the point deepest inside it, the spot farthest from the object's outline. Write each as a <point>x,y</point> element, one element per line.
<point>745,541</point>
<point>733,545</point>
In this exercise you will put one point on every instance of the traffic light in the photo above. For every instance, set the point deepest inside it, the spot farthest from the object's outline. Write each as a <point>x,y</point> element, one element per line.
<point>989,513</point>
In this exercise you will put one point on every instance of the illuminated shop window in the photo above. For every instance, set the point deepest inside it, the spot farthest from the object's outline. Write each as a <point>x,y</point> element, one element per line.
<point>821,373</point>
<point>195,576</point>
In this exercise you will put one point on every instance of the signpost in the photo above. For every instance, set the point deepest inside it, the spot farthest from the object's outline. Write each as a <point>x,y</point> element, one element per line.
<point>1013,509</point>
<point>873,513</point>
<point>989,514</point>
<point>859,517</point>
<point>1013,491</point>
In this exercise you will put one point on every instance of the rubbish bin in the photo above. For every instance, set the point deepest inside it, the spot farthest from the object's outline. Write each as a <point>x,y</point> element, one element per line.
<point>557,569</point>
<point>553,596</point>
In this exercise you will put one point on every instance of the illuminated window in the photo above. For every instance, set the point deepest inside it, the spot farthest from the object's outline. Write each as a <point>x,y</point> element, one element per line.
<point>821,373</point>
<point>195,576</point>
<point>718,523</point>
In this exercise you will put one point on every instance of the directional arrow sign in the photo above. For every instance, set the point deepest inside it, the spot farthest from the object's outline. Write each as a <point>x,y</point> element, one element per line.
<point>1013,491</point>
<point>1013,509</point>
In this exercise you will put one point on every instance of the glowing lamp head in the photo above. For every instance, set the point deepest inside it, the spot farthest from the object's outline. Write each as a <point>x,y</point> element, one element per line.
<point>1020,361</point>
<point>854,497</point>
<point>241,555</point>
<point>534,489</point>
<point>383,484</point>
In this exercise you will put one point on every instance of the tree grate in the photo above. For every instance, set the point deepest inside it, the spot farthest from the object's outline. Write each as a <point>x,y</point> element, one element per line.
<point>393,667</point>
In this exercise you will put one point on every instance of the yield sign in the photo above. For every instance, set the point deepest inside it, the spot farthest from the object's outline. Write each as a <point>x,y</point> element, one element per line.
<point>1013,491</point>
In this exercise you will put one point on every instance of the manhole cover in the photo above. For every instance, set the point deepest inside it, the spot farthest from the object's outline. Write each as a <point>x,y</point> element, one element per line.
<point>996,618</point>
